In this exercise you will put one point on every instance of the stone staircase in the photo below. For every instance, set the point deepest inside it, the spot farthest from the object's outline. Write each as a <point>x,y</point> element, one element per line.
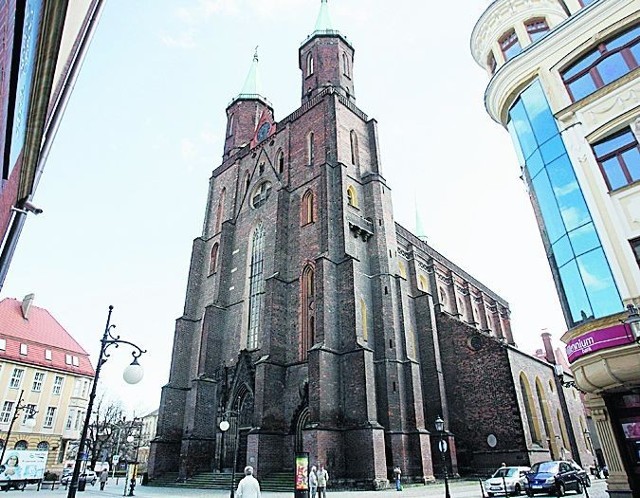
<point>277,481</point>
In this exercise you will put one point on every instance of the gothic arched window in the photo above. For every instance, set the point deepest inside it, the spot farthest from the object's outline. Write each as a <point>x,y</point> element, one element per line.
<point>280,161</point>
<point>310,148</point>
<point>309,64</point>
<point>307,212</point>
<point>256,287</point>
<point>351,196</point>
<point>247,181</point>
<point>529,407</point>
<point>230,124</point>
<point>220,211</point>
<point>307,316</point>
<point>354,147</point>
<point>213,260</point>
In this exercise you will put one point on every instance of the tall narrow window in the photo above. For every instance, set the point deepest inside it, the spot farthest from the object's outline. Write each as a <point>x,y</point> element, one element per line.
<point>345,63</point>
<point>307,318</point>
<point>49,416</point>
<point>38,379</point>
<point>16,378</point>
<point>354,147</point>
<point>310,148</point>
<point>213,260</point>
<point>351,196</point>
<point>220,211</point>
<point>510,45</point>
<point>309,64</point>
<point>280,162</point>
<point>247,181</point>
<point>57,384</point>
<point>307,213</point>
<point>6,413</point>
<point>256,287</point>
<point>230,124</point>
<point>527,400</point>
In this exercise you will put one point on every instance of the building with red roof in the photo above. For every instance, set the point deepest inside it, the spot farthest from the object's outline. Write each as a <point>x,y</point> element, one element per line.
<point>43,367</point>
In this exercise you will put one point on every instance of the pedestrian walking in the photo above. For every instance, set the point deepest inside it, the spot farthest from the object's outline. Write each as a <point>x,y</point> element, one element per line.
<point>397,473</point>
<point>248,487</point>
<point>104,477</point>
<point>313,482</point>
<point>323,479</point>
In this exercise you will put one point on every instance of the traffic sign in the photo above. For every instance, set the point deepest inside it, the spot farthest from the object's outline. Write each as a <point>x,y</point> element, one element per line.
<point>115,459</point>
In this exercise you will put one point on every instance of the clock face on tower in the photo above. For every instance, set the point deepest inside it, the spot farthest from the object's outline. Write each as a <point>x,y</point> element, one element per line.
<point>263,131</point>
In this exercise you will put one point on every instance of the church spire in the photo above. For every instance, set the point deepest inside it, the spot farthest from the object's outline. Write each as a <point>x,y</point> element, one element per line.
<point>252,88</point>
<point>323,23</point>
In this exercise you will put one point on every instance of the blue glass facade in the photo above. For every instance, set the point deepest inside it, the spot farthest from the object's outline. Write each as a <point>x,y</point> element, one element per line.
<point>575,253</point>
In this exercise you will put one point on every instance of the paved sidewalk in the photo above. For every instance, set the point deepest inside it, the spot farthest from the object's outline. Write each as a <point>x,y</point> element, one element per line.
<point>459,489</point>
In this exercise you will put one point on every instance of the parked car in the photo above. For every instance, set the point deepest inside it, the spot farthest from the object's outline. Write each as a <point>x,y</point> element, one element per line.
<point>554,477</point>
<point>89,476</point>
<point>514,478</point>
<point>584,475</point>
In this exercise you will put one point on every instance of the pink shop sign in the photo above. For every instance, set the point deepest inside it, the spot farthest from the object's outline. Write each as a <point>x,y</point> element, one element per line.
<point>596,340</point>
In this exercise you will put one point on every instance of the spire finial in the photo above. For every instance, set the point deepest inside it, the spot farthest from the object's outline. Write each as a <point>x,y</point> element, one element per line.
<point>323,23</point>
<point>251,87</point>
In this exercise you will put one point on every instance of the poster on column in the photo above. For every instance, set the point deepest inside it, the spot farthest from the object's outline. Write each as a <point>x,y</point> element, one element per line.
<point>302,476</point>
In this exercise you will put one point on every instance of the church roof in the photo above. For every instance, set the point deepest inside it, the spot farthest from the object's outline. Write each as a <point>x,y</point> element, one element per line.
<point>323,23</point>
<point>252,89</point>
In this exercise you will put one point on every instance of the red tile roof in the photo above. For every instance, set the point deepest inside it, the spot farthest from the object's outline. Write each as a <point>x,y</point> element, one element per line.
<point>40,332</point>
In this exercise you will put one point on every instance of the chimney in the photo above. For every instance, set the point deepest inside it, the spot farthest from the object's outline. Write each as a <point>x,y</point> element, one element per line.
<point>26,305</point>
<point>548,348</point>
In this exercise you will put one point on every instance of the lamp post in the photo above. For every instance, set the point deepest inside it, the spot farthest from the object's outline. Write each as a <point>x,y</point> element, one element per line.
<point>224,427</point>
<point>136,429</point>
<point>442,446</point>
<point>29,422</point>
<point>132,375</point>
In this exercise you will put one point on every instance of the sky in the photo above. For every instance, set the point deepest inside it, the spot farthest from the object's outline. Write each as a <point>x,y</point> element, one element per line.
<point>125,184</point>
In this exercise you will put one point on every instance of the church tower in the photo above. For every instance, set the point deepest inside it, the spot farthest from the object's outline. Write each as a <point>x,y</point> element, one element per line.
<point>290,325</point>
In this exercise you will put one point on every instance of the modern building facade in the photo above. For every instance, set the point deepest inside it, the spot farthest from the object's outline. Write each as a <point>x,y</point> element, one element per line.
<point>315,323</point>
<point>43,45</point>
<point>41,367</point>
<point>565,82</point>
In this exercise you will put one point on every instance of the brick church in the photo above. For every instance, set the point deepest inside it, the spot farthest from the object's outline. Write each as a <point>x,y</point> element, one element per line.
<point>313,322</point>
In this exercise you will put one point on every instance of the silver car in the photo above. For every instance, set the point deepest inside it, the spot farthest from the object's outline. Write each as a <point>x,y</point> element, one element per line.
<point>514,478</point>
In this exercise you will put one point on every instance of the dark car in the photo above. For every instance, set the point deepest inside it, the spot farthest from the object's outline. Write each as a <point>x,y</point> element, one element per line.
<point>554,477</point>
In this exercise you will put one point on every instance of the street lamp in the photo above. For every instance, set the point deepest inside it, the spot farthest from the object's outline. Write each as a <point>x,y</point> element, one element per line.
<point>224,427</point>
<point>442,446</point>
<point>132,473</point>
<point>132,375</point>
<point>633,320</point>
<point>30,421</point>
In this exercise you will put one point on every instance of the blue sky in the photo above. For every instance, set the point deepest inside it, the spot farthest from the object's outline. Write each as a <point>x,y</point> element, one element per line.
<point>125,185</point>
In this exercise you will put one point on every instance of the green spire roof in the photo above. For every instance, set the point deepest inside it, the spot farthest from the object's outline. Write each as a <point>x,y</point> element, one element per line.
<point>420,231</point>
<point>252,88</point>
<point>323,23</point>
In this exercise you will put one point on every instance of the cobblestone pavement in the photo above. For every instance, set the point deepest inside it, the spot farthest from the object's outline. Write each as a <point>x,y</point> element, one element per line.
<point>458,489</point>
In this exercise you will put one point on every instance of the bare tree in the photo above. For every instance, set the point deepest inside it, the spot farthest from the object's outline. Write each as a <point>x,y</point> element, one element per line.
<point>105,426</point>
